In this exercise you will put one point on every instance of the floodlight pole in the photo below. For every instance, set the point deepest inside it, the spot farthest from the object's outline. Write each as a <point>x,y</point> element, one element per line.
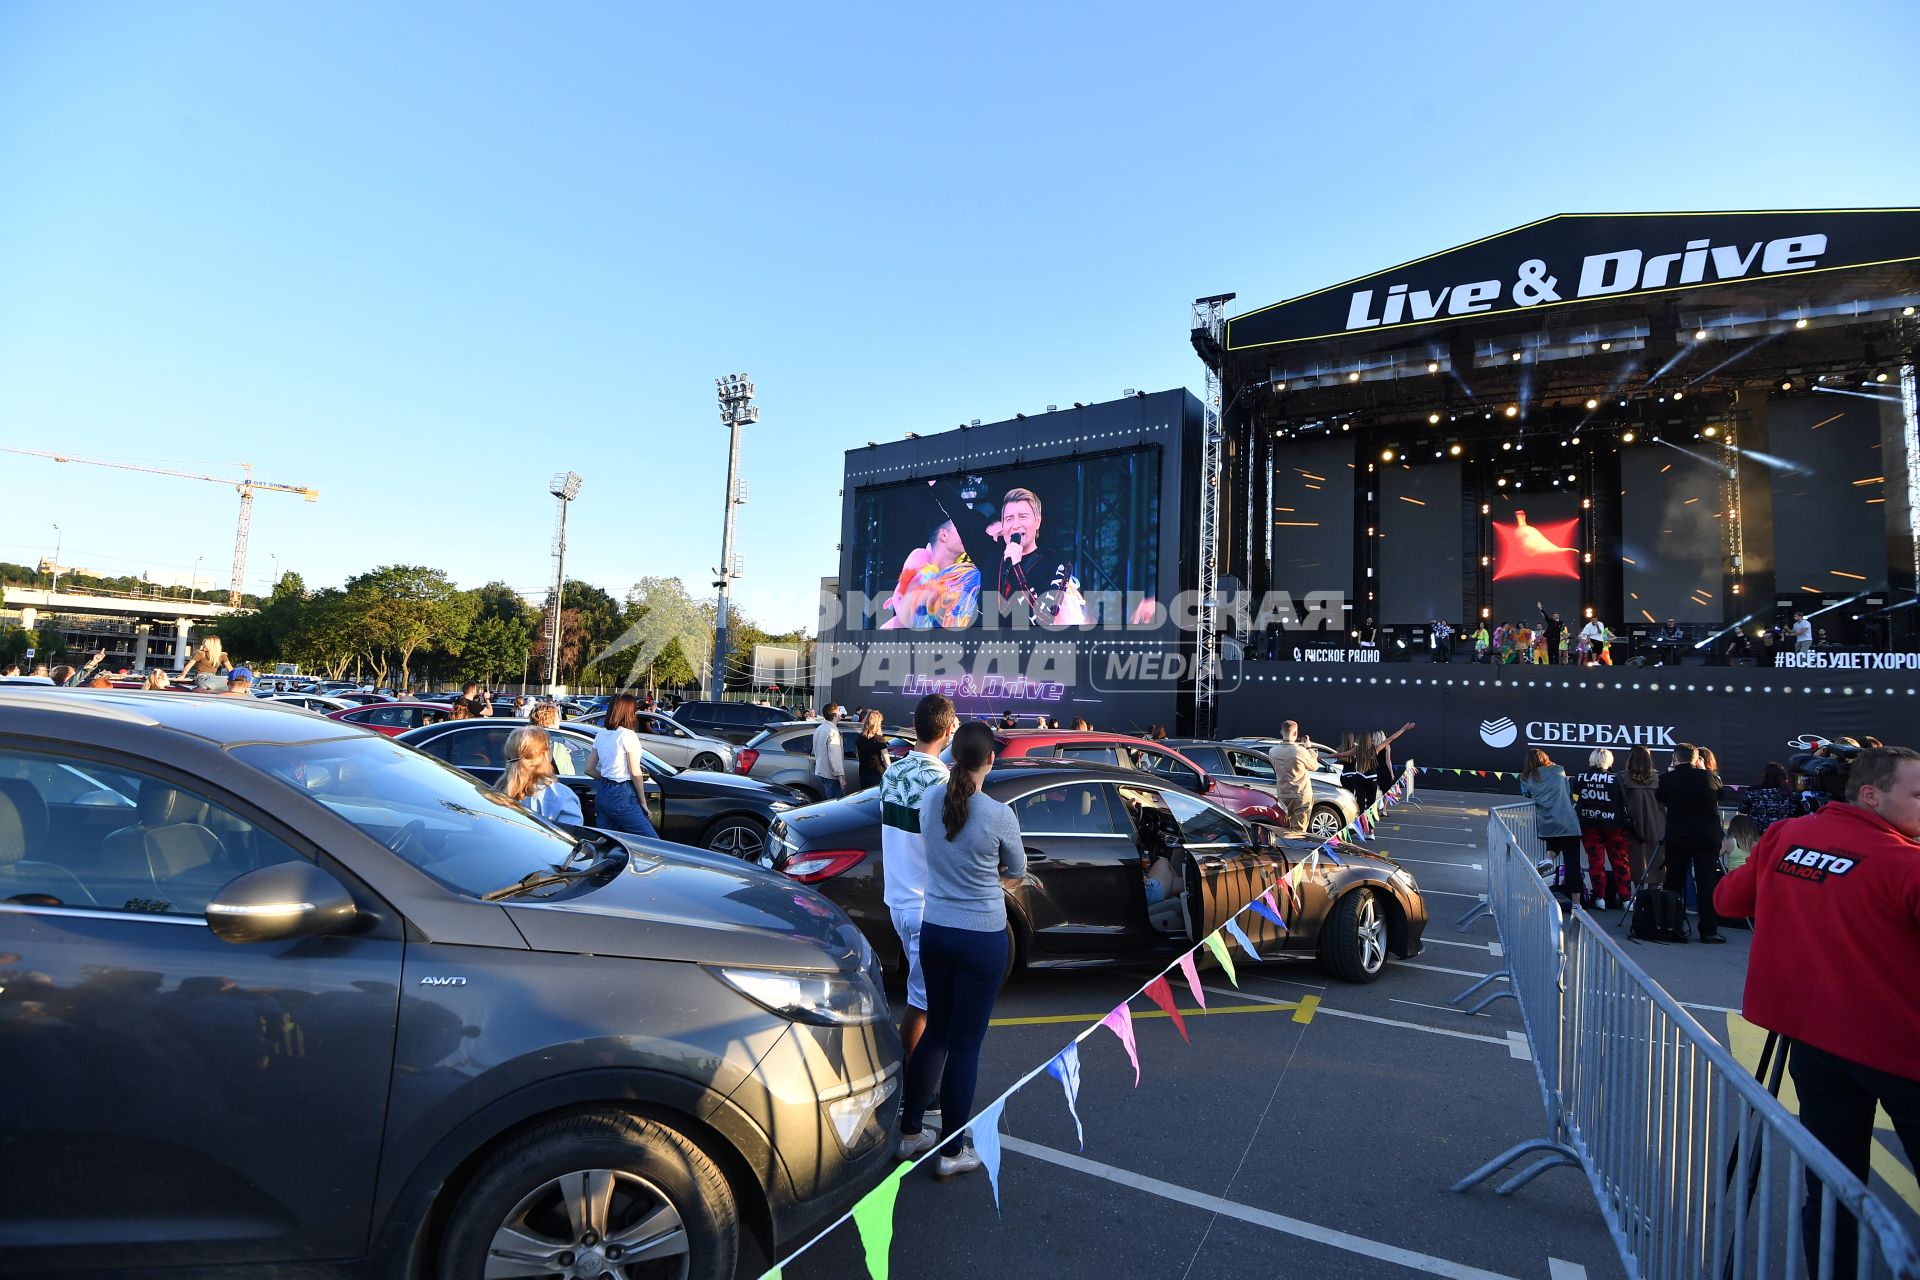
<point>736,411</point>
<point>565,487</point>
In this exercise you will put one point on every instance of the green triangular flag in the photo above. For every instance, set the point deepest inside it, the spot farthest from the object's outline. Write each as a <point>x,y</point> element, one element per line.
<point>874,1217</point>
<point>1219,949</point>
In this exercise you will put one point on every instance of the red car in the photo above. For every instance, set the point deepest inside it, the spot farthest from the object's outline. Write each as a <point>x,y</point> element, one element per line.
<point>1139,753</point>
<point>393,718</point>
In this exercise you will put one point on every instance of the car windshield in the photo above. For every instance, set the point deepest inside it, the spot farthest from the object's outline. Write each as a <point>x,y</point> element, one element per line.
<point>467,837</point>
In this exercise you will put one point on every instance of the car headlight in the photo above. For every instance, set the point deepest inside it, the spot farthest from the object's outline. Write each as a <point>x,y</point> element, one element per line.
<point>1405,877</point>
<point>778,806</point>
<point>824,999</point>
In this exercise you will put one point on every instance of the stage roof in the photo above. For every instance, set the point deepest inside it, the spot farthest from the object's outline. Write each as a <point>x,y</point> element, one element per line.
<point>1586,304</point>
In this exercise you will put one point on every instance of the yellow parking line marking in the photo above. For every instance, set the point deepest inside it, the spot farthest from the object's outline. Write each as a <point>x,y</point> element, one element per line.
<point>1748,1041</point>
<point>1302,1011</point>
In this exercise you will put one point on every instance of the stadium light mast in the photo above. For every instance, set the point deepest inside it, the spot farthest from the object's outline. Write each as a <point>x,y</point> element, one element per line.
<point>565,487</point>
<point>736,411</point>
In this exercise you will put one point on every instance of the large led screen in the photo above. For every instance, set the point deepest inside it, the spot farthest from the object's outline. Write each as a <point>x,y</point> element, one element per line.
<point>1312,517</point>
<point>1067,542</point>
<point>1536,541</point>
<point>1420,544</point>
<point>1672,537</point>
<point>1829,495</point>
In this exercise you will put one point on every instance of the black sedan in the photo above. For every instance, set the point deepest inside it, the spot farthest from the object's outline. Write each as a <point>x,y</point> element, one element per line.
<point>1089,831</point>
<point>715,811</point>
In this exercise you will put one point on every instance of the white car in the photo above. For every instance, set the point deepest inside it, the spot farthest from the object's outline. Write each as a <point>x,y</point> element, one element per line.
<point>678,745</point>
<point>319,703</point>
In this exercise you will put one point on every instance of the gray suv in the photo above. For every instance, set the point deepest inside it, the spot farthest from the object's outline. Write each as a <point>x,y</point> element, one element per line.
<point>783,755</point>
<point>275,991</point>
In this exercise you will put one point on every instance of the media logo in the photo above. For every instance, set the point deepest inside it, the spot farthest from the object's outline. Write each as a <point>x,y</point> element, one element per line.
<point>1499,733</point>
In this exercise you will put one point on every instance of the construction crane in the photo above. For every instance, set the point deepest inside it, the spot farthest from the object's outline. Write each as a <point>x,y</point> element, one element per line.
<point>244,486</point>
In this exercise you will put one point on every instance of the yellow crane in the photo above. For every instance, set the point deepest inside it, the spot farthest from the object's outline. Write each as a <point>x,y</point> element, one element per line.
<point>245,486</point>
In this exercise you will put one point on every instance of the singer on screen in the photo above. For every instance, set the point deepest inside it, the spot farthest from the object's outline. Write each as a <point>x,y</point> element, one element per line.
<point>1031,581</point>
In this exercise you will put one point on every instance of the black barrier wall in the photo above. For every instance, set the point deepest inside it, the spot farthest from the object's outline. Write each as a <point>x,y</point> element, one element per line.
<point>1476,717</point>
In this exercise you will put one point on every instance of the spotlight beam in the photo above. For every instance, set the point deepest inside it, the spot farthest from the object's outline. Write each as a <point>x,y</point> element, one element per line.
<point>1742,353</point>
<point>1864,395</point>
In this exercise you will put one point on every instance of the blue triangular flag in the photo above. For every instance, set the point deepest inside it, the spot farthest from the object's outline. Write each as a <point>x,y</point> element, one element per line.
<point>986,1144</point>
<point>1240,936</point>
<point>1065,1068</point>
<point>1267,911</point>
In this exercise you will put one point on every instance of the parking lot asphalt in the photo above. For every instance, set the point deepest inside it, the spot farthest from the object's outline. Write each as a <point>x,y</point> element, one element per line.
<point>1311,1129</point>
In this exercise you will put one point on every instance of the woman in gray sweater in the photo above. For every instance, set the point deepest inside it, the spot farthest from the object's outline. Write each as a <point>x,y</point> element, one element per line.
<point>972,840</point>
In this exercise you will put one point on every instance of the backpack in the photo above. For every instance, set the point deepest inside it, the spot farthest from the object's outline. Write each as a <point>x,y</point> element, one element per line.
<point>1659,915</point>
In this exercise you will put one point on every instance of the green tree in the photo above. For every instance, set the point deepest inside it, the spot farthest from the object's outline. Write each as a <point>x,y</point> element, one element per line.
<point>327,634</point>
<point>404,608</point>
<point>495,649</point>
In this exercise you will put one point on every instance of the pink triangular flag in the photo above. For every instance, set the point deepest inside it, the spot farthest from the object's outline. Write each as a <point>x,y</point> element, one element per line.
<point>1273,904</point>
<point>1161,994</point>
<point>1193,979</point>
<point>1120,1022</point>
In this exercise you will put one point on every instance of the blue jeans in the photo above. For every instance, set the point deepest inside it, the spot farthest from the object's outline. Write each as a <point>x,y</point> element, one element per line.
<point>830,788</point>
<point>617,807</point>
<point>963,968</point>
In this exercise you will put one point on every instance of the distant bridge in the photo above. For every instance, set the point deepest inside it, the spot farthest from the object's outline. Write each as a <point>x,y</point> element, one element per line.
<point>144,612</point>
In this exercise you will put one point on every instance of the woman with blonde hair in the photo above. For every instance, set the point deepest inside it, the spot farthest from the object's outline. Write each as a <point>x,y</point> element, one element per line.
<point>545,713</point>
<point>871,748</point>
<point>208,663</point>
<point>530,779</point>
<point>157,679</point>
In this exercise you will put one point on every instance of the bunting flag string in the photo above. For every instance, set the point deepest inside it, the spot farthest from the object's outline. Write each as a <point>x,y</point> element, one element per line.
<point>873,1214</point>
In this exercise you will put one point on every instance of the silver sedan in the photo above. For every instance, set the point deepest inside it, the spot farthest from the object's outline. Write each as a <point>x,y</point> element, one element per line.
<point>676,744</point>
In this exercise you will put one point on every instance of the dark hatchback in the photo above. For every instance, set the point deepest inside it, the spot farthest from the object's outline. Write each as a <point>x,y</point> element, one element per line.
<point>280,997</point>
<point>716,811</point>
<point>1089,831</point>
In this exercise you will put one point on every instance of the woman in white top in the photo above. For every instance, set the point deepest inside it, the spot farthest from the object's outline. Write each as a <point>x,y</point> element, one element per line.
<point>531,781</point>
<point>619,789</point>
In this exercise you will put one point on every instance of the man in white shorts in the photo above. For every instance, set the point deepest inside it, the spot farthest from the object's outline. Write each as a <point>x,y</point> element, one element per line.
<point>903,853</point>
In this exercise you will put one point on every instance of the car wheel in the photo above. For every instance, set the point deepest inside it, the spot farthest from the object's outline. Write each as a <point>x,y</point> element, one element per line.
<point>1324,822</point>
<point>1356,947</point>
<point>741,838</point>
<point>595,1195</point>
<point>706,762</point>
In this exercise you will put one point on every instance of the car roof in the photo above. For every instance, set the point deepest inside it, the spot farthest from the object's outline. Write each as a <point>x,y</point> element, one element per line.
<point>67,712</point>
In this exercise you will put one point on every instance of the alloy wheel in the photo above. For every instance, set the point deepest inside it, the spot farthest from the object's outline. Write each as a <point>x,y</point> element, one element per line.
<point>590,1224</point>
<point>739,840</point>
<point>1372,928</point>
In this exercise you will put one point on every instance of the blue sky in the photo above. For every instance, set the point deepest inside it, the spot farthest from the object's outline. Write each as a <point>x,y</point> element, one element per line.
<point>422,256</point>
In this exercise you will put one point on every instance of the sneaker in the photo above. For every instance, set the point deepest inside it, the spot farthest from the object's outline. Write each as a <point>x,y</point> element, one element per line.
<point>963,1160</point>
<point>1712,937</point>
<point>914,1145</point>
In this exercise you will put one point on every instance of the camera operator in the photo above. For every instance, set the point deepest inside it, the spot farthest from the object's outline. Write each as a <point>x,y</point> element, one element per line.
<point>1835,901</point>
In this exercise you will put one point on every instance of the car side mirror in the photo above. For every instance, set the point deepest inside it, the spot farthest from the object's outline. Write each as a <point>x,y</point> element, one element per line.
<point>1206,783</point>
<point>285,900</point>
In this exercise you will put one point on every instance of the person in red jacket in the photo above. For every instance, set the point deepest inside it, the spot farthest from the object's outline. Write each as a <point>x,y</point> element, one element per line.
<point>1835,901</point>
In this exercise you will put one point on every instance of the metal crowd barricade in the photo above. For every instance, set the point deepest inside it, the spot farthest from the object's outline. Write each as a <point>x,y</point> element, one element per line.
<point>1507,824</point>
<point>1697,1168</point>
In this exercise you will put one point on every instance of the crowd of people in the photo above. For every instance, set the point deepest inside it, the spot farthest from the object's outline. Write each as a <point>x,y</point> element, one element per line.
<point>1640,827</point>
